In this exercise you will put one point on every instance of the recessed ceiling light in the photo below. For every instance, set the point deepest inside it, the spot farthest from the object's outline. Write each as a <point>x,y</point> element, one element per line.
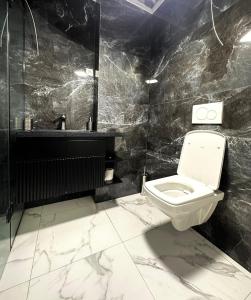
<point>246,38</point>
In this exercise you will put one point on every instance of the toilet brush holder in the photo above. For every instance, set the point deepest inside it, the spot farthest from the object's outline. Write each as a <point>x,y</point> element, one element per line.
<point>144,179</point>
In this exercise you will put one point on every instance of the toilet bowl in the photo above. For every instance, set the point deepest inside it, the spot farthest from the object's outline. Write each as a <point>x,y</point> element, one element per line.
<point>190,197</point>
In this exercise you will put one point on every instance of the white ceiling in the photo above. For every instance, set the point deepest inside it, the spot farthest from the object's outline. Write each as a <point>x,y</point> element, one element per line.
<point>151,10</point>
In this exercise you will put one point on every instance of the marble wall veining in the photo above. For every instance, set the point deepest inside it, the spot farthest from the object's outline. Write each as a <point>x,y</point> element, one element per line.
<point>124,61</point>
<point>193,68</point>
<point>66,36</point>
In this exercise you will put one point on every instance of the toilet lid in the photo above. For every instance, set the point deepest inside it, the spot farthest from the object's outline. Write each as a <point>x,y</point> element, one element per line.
<point>202,157</point>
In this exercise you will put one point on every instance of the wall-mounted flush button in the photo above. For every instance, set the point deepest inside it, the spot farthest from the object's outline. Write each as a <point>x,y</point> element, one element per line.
<point>211,113</point>
<point>201,113</point>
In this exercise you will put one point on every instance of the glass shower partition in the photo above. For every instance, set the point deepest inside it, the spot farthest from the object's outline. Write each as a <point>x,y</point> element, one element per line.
<point>11,115</point>
<point>4,139</point>
<point>16,99</point>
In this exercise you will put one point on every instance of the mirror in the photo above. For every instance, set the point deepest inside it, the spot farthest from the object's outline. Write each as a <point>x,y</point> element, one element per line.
<point>60,67</point>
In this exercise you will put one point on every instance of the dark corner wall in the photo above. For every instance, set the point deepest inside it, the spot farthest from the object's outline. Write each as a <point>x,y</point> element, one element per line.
<point>193,68</point>
<point>124,63</point>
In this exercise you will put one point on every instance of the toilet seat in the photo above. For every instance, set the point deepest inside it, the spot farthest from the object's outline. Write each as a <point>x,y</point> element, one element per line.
<point>191,197</point>
<point>193,189</point>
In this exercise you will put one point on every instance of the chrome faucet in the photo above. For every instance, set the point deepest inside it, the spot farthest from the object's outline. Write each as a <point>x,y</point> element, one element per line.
<point>60,122</point>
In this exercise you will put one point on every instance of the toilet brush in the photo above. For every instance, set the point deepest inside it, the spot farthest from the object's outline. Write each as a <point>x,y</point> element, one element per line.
<point>144,176</point>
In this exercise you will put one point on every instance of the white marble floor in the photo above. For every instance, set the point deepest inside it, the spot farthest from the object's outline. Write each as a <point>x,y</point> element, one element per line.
<point>123,249</point>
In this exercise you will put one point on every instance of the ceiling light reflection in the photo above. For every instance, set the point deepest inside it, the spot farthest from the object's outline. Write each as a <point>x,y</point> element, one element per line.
<point>151,81</point>
<point>84,73</point>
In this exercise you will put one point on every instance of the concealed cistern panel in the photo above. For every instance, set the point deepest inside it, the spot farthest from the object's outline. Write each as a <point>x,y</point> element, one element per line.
<point>210,113</point>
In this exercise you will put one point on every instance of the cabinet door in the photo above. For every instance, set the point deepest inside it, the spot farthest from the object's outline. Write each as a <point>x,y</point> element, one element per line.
<point>86,167</point>
<point>62,168</point>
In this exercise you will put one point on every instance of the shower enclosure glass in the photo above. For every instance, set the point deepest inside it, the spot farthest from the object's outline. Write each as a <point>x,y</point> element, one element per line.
<point>16,97</point>
<point>11,114</point>
<point>4,139</point>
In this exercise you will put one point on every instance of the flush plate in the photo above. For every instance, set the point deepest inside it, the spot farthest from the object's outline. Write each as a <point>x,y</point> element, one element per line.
<point>210,113</point>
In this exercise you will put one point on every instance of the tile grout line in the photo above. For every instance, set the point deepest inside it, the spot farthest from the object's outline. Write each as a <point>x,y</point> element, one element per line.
<point>70,263</point>
<point>136,267</point>
<point>11,261</point>
<point>122,242</point>
<point>34,252</point>
<point>14,286</point>
<point>154,227</point>
<point>27,281</point>
<point>246,298</point>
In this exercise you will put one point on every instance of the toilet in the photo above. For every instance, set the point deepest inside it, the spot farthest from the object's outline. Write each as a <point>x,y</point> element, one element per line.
<point>190,197</point>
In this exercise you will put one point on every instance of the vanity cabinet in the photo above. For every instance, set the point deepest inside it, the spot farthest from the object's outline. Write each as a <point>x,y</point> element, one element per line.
<point>55,168</point>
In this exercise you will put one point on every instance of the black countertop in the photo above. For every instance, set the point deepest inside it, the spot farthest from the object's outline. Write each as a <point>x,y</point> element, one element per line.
<point>65,134</point>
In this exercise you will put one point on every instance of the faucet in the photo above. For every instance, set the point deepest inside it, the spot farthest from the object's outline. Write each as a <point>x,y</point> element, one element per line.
<point>60,122</point>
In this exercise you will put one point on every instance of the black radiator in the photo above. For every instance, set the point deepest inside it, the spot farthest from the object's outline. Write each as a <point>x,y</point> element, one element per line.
<point>43,179</point>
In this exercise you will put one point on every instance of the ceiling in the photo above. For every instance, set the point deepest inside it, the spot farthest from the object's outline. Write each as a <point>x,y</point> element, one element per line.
<point>148,5</point>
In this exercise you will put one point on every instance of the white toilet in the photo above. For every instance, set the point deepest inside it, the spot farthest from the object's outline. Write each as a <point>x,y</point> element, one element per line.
<point>190,197</point>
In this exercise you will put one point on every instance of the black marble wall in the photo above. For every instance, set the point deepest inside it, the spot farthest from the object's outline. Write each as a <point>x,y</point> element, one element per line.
<point>124,63</point>
<point>67,43</point>
<point>193,68</point>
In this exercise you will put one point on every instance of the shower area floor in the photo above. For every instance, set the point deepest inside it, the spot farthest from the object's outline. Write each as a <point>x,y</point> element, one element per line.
<point>121,249</point>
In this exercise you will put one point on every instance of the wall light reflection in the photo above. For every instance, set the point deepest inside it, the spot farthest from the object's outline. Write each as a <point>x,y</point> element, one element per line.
<point>246,38</point>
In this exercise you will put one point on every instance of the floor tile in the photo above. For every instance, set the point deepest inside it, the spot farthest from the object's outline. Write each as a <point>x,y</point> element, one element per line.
<point>110,274</point>
<point>25,241</point>
<point>16,272</point>
<point>184,266</point>
<point>34,210</point>
<point>68,236</point>
<point>133,215</point>
<point>4,241</point>
<point>2,267</point>
<point>19,266</point>
<point>248,297</point>
<point>86,203</point>
<point>79,255</point>
<point>18,292</point>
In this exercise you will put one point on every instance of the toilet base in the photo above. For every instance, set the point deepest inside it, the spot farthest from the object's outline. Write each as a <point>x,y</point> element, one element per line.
<point>190,214</point>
